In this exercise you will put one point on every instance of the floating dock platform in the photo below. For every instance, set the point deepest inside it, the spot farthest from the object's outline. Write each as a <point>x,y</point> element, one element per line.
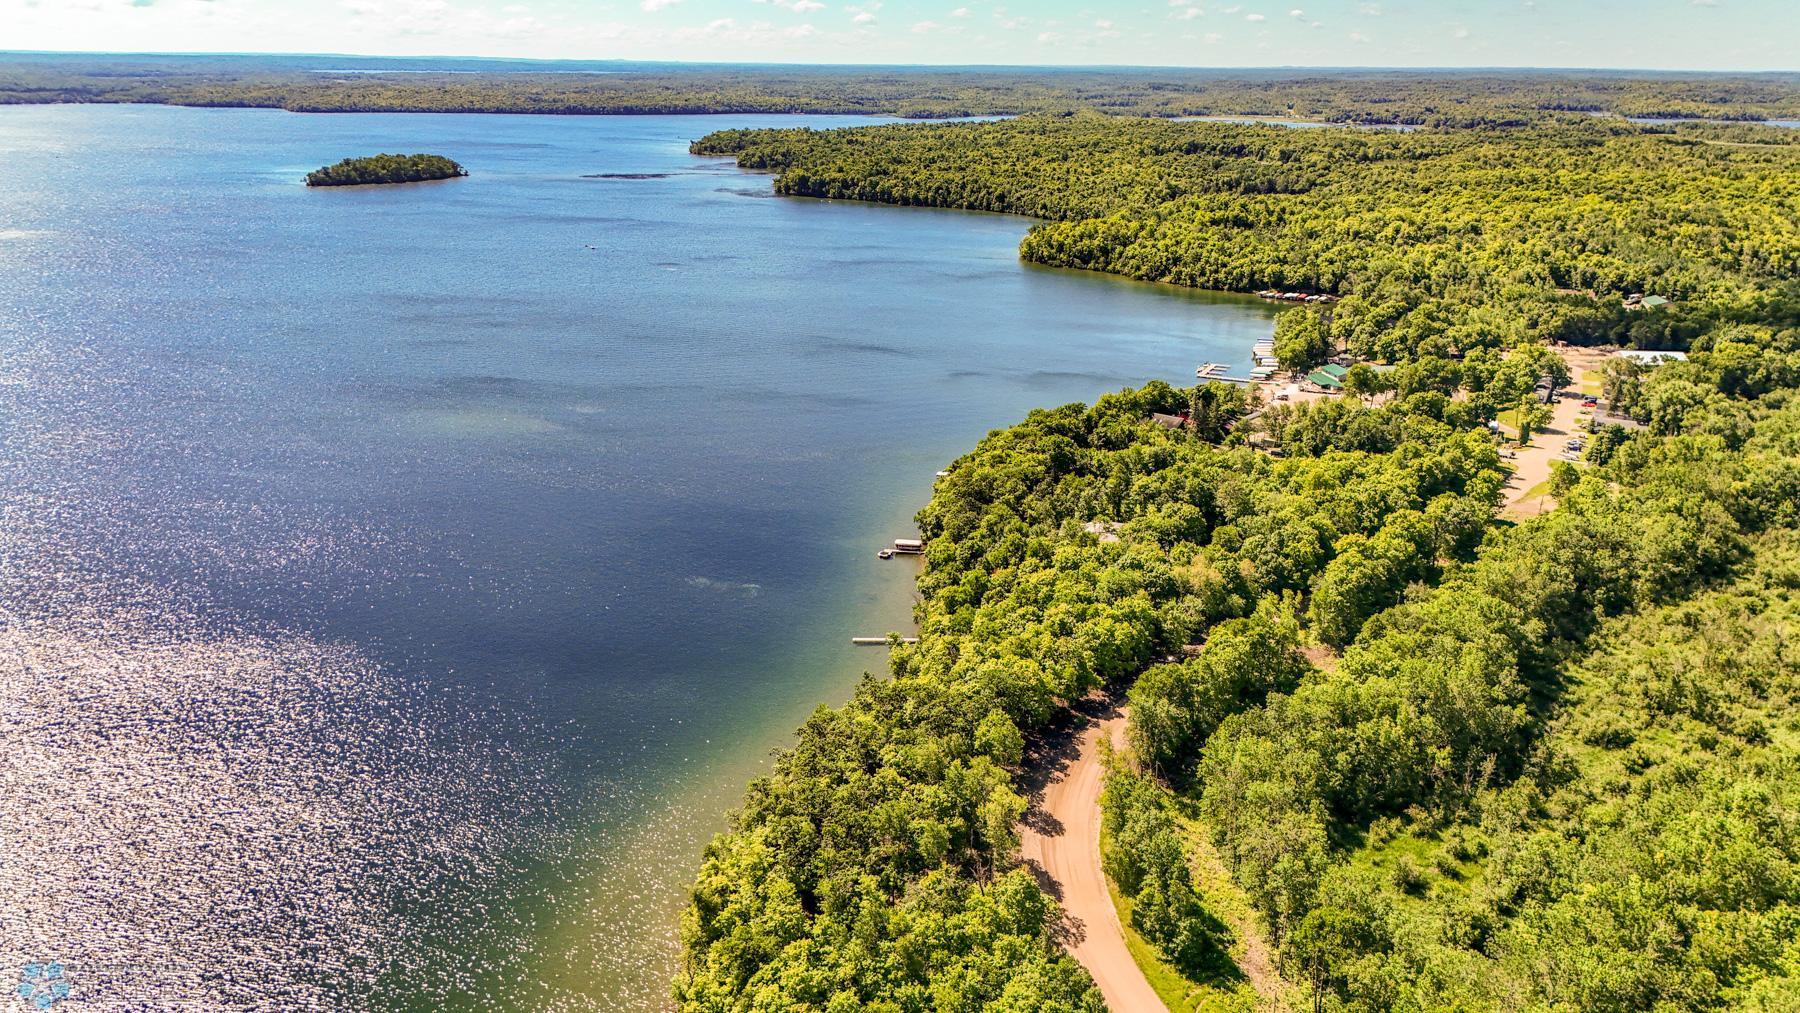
<point>1210,371</point>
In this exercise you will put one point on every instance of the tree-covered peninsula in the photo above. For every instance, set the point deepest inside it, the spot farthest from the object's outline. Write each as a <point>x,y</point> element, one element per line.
<point>1429,758</point>
<point>385,169</point>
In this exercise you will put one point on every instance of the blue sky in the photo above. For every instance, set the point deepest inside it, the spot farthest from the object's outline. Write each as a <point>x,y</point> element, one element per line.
<point>1674,34</point>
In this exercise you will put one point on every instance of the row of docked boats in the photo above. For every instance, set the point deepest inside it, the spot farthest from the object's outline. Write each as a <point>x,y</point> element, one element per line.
<point>1278,295</point>
<point>1264,365</point>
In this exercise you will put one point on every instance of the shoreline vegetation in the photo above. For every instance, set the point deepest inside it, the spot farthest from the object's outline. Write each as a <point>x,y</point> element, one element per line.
<point>1463,99</point>
<point>1443,758</point>
<point>375,170</point>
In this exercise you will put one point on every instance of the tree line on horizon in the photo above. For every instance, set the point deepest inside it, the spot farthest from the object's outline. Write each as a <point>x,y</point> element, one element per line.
<point>1432,98</point>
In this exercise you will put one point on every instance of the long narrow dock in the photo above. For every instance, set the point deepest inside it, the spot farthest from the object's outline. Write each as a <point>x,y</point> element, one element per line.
<point>880,641</point>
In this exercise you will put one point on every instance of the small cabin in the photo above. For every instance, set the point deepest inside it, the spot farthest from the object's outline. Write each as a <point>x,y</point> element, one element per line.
<point>1323,379</point>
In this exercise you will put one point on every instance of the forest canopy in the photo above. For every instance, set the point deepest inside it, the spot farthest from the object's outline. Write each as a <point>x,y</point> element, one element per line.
<point>1439,242</point>
<point>1442,760</point>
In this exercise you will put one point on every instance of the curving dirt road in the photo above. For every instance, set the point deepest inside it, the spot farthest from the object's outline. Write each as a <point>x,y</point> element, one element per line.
<point>1061,840</point>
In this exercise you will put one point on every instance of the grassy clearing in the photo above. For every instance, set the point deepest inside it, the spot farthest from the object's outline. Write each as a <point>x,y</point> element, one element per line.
<point>1425,867</point>
<point>1509,426</point>
<point>1538,491</point>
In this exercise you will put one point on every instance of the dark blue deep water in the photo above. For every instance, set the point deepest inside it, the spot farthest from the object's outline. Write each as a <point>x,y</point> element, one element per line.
<point>398,584</point>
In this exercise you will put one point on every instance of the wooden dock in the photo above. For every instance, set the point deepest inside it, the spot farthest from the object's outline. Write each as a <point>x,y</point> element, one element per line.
<point>1210,371</point>
<point>880,641</point>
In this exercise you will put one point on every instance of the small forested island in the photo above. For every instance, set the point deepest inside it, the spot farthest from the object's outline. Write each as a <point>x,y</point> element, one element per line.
<point>385,169</point>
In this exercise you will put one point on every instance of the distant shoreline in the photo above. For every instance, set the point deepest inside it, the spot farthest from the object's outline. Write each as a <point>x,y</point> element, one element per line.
<point>1441,97</point>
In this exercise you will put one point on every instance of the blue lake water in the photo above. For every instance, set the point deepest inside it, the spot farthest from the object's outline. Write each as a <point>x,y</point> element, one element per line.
<point>1668,120</point>
<point>399,584</point>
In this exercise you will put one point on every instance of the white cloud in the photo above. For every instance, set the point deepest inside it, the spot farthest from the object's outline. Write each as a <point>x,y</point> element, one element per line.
<point>850,30</point>
<point>1254,17</point>
<point>424,19</point>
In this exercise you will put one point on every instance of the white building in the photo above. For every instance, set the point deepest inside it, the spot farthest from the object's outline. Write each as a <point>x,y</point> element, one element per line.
<point>1650,358</point>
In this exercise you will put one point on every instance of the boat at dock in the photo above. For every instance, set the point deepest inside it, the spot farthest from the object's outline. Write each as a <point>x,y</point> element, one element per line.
<point>902,547</point>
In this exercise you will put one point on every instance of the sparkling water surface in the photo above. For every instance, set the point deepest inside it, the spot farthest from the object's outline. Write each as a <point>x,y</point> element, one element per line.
<point>398,584</point>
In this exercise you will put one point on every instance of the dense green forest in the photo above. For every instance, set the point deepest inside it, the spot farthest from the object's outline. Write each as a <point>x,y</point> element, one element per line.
<point>1446,761</point>
<point>1440,241</point>
<point>385,169</point>
<point>348,84</point>
<point>1525,780</point>
<point>1560,775</point>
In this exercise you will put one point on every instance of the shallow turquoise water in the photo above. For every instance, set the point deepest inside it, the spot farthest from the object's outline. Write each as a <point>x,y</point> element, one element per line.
<point>397,585</point>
